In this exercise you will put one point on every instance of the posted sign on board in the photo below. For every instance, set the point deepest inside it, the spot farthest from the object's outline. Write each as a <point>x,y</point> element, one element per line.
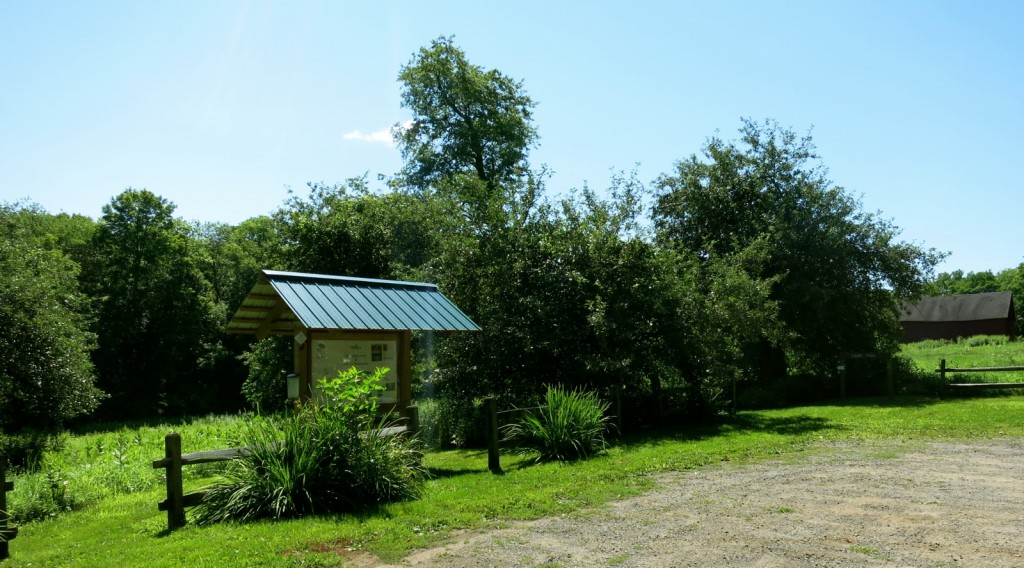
<point>333,355</point>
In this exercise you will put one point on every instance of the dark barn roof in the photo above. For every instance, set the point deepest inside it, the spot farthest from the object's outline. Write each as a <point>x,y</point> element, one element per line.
<point>965,307</point>
<point>282,303</point>
<point>950,317</point>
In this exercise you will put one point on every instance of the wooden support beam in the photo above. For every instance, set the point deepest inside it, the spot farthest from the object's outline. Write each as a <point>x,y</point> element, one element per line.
<point>247,320</point>
<point>261,309</point>
<point>269,322</point>
<point>263,297</point>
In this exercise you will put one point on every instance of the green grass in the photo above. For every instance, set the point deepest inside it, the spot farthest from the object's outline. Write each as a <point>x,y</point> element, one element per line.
<point>96,465</point>
<point>128,530</point>
<point>980,351</point>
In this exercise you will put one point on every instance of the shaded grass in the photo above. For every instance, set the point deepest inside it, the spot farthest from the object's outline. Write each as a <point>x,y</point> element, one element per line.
<point>128,530</point>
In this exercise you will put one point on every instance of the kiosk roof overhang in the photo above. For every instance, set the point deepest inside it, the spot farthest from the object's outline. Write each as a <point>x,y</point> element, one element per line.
<point>284,303</point>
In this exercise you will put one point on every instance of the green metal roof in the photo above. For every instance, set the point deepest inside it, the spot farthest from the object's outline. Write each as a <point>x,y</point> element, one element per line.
<point>282,303</point>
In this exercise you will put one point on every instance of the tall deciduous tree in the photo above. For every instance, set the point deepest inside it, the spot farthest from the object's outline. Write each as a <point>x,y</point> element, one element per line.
<point>46,376</point>
<point>156,317</point>
<point>840,271</point>
<point>470,134</point>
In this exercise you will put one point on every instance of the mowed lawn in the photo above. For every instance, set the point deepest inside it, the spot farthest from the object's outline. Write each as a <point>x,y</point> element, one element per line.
<point>128,530</point>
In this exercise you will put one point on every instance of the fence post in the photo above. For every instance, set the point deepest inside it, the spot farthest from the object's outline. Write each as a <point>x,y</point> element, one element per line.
<point>175,492</point>
<point>413,426</point>
<point>491,416</point>
<point>6,533</point>
<point>942,372</point>
<point>617,407</point>
<point>890,384</point>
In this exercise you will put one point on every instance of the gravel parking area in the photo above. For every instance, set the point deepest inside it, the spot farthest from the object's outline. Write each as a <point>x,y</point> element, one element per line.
<point>864,504</point>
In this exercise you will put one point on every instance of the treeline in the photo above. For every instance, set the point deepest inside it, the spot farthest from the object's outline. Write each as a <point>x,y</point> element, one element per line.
<point>743,263</point>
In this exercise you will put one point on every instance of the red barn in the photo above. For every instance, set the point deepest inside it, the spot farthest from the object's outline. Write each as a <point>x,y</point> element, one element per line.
<point>950,317</point>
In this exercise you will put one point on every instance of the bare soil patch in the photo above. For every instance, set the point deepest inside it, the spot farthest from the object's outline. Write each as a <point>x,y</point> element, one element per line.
<point>863,504</point>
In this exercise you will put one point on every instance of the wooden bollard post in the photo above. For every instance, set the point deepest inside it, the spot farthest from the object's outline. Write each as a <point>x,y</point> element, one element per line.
<point>491,416</point>
<point>842,381</point>
<point>617,407</point>
<point>413,426</point>
<point>175,492</point>
<point>7,533</point>
<point>890,383</point>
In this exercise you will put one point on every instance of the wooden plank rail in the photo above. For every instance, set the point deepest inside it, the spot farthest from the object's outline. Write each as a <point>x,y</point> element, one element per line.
<point>7,533</point>
<point>943,370</point>
<point>981,369</point>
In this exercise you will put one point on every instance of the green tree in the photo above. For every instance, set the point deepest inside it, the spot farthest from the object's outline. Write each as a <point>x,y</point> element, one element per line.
<point>157,320</point>
<point>470,136</point>
<point>348,230</point>
<point>46,377</point>
<point>466,119</point>
<point>840,272</point>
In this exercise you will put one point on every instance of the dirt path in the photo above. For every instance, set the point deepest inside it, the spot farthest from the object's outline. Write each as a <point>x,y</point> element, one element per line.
<point>943,504</point>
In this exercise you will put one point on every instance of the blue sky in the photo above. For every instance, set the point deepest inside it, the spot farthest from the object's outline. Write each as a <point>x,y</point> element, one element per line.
<point>916,107</point>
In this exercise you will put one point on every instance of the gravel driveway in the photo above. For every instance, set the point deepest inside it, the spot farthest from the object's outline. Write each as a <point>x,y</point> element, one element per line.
<point>865,504</point>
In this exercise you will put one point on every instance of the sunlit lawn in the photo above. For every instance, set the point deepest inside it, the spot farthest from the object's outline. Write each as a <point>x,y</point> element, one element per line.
<point>128,530</point>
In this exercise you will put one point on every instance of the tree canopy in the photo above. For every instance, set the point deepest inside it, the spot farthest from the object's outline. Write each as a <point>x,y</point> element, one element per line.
<point>466,119</point>
<point>46,376</point>
<point>840,271</point>
<point>157,315</point>
<point>755,260</point>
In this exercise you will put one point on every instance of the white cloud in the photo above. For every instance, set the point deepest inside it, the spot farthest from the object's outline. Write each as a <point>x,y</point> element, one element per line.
<point>382,136</point>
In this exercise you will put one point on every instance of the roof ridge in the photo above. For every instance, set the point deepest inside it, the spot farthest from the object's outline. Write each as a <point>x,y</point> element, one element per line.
<point>280,274</point>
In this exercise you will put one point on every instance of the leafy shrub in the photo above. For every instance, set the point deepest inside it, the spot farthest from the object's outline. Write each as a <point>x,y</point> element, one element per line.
<point>269,361</point>
<point>446,423</point>
<point>24,450</point>
<point>43,495</point>
<point>570,425</point>
<point>319,459</point>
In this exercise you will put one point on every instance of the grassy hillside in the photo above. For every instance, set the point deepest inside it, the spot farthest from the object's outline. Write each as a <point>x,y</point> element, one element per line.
<point>980,351</point>
<point>128,530</point>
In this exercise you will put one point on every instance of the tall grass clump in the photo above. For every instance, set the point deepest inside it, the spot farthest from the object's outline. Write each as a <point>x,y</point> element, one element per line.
<point>322,458</point>
<point>570,425</point>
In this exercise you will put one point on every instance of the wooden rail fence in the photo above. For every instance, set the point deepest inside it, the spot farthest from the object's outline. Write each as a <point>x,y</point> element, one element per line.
<point>943,370</point>
<point>174,460</point>
<point>7,533</point>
